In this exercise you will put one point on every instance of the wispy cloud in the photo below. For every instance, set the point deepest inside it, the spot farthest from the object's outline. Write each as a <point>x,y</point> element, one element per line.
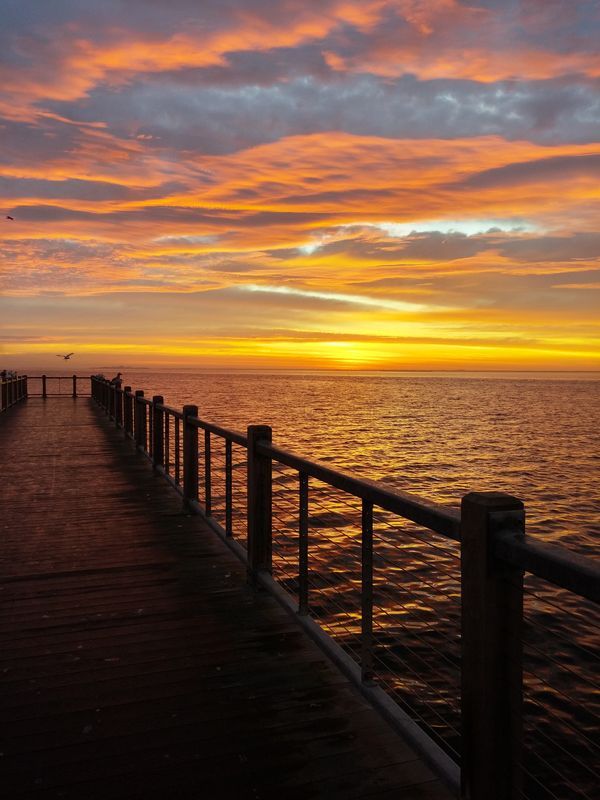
<point>336,297</point>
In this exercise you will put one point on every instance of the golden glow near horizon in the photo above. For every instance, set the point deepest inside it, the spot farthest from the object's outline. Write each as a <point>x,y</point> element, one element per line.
<point>339,184</point>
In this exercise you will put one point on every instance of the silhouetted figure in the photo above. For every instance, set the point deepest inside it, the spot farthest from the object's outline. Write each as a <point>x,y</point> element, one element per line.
<point>116,378</point>
<point>12,218</point>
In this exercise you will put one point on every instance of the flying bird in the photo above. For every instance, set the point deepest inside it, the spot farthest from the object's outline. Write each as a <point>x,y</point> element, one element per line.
<point>67,357</point>
<point>7,217</point>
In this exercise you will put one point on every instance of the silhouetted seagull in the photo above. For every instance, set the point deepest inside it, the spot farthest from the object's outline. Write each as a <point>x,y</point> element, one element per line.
<point>116,378</point>
<point>7,217</point>
<point>67,357</point>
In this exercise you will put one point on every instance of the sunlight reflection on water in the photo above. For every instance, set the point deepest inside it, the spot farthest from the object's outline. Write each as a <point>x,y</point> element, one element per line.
<point>438,437</point>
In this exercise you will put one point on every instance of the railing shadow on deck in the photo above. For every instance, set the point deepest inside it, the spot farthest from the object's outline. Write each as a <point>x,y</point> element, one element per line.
<point>241,483</point>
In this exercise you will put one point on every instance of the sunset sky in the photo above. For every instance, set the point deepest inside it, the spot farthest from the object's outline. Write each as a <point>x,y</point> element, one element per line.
<point>363,184</point>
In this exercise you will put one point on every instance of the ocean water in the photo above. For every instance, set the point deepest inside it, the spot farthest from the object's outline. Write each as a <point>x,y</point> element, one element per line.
<point>438,436</point>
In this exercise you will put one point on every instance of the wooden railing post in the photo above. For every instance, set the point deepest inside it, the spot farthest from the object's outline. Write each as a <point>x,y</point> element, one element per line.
<point>44,392</point>
<point>127,411</point>
<point>158,431</point>
<point>111,399</point>
<point>492,620</point>
<point>190,455</point>
<point>4,394</point>
<point>25,389</point>
<point>74,385</point>
<point>140,421</point>
<point>260,491</point>
<point>118,404</point>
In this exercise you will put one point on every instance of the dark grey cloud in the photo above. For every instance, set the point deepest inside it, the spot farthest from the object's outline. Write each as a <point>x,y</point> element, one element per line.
<point>224,118</point>
<point>78,189</point>
<point>542,169</point>
<point>533,279</point>
<point>256,68</point>
<point>26,143</point>
<point>103,20</point>
<point>579,246</point>
<point>444,247</point>
<point>427,246</point>
<point>563,27</point>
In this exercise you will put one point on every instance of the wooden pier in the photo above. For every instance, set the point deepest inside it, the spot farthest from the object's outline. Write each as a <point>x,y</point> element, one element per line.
<point>150,650</point>
<point>137,662</point>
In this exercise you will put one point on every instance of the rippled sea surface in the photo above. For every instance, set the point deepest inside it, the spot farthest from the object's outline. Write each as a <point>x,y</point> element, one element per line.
<point>438,436</point>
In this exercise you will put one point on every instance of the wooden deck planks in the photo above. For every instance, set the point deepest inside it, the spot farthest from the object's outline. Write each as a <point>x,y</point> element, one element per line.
<point>136,662</point>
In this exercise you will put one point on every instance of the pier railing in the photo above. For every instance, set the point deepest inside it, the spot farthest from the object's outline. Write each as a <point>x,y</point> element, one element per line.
<point>277,510</point>
<point>59,386</point>
<point>12,390</point>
